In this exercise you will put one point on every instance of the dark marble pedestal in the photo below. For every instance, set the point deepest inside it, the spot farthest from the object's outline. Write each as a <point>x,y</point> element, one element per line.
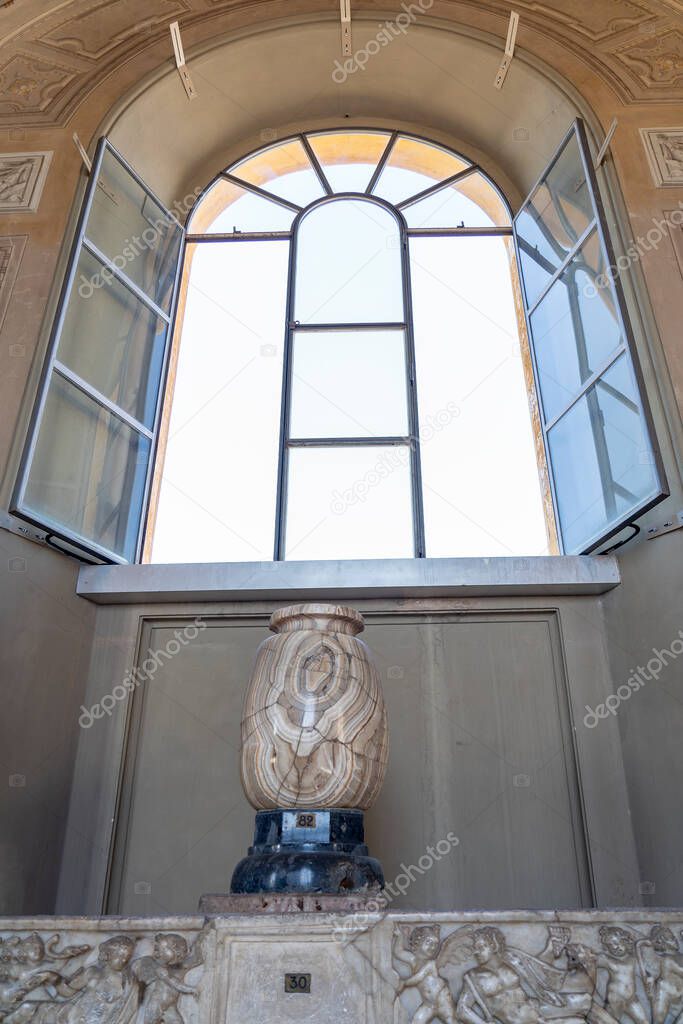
<point>308,852</point>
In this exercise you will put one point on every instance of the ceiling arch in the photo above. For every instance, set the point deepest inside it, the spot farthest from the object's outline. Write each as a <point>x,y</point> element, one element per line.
<point>54,55</point>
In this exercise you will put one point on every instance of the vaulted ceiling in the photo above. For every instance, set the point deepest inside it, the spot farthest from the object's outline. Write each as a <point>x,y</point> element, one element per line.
<point>54,54</point>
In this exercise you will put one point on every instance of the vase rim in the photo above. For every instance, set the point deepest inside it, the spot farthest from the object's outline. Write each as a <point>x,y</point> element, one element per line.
<point>352,619</point>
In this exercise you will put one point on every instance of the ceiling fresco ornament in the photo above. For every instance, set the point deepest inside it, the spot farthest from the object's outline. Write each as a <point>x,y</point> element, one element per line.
<point>595,21</point>
<point>30,84</point>
<point>22,178</point>
<point>664,148</point>
<point>658,61</point>
<point>53,62</point>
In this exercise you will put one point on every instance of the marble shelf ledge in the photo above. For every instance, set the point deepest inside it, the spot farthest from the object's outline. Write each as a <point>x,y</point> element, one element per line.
<point>349,580</point>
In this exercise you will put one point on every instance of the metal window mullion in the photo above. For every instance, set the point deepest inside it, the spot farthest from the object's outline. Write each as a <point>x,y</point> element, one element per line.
<point>438,186</point>
<point>285,410</point>
<point>563,266</point>
<point>315,164</point>
<point>62,303</point>
<point>586,386</point>
<point>97,396</point>
<point>348,442</point>
<point>124,279</point>
<point>454,232</point>
<point>262,192</point>
<point>419,542</point>
<point>391,325</point>
<point>239,236</point>
<point>381,163</point>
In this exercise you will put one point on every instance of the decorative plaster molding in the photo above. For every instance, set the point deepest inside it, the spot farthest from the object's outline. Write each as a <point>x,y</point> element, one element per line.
<point>54,61</point>
<point>656,61</point>
<point>664,148</point>
<point>22,179</point>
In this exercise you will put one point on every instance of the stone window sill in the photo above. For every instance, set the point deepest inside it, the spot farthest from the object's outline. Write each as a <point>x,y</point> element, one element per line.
<point>349,580</point>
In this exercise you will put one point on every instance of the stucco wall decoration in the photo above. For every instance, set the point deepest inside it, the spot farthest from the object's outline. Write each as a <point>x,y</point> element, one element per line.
<point>22,179</point>
<point>664,148</point>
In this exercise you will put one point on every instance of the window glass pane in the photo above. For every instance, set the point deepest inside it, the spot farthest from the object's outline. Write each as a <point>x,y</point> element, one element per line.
<point>348,267</point>
<point>112,340</point>
<point>349,384</point>
<point>227,208</point>
<point>602,459</point>
<point>88,471</point>
<point>284,170</point>
<point>349,503</point>
<point>575,329</point>
<point>349,158</point>
<point>470,203</point>
<point>413,166</point>
<point>135,232</point>
<point>477,445</point>
<point>217,497</point>
<point>553,220</point>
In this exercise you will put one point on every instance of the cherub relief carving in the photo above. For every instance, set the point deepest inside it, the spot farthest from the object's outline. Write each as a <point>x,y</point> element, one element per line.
<point>421,951</point>
<point>114,989</point>
<point>629,979</point>
<point>163,976</point>
<point>661,964</point>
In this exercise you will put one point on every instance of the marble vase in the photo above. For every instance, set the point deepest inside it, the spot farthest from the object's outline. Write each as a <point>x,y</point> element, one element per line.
<point>314,730</point>
<point>314,754</point>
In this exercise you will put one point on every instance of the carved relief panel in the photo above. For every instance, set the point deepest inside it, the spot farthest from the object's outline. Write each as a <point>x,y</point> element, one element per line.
<point>22,179</point>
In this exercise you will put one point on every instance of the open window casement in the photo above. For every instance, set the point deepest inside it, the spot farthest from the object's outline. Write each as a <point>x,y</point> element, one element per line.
<point>604,467</point>
<point>87,465</point>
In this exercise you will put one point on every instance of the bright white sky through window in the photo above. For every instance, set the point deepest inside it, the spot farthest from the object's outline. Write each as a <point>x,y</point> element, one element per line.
<point>480,478</point>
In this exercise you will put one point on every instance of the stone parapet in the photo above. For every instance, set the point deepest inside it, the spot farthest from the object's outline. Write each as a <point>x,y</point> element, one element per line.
<point>519,967</point>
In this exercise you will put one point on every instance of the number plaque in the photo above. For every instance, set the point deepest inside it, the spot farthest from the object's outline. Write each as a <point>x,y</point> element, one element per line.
<point>297,982</point>
<point>305,827</point>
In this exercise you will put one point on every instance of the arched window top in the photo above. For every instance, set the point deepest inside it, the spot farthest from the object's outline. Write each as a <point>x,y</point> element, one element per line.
<point>431,185</point>
<point>366,244</point>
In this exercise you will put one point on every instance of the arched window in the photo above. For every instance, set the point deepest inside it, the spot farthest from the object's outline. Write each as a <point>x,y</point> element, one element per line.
<point>403,422</point>
<point>371,359</point>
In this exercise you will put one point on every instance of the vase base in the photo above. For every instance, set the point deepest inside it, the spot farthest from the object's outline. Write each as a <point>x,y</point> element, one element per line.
<point>311,851</point>
<point>288,903</point>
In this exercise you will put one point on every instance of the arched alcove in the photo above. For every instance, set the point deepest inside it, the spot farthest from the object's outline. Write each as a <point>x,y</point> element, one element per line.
<point>270,82</point>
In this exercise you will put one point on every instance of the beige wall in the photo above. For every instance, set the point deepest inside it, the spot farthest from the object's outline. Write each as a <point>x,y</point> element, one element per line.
<point>45,633</point>
<point>485,701</point>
